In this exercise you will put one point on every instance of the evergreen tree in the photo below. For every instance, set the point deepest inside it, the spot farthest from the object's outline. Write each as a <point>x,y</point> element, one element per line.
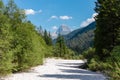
<point>60,47</point>
<point>50,39</point>
<point>61,50</point>
<point>108,23</point>
<point>47,38</point>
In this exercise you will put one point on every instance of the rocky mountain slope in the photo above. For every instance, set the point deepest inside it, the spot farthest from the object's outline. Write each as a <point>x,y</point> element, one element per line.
<point>81,39</point>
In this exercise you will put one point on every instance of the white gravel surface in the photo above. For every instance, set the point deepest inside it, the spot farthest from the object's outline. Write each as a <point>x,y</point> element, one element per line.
<point>57,69</point>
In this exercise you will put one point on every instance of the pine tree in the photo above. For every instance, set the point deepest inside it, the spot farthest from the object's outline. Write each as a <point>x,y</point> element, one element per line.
<point>47,38</point>
<point>108,23</point>
<point>60,46</point>
<point>61,50</point>
<point>50,39</point>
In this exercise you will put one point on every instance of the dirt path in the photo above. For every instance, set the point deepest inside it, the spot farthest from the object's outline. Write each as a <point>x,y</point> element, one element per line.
<point>57,69</point>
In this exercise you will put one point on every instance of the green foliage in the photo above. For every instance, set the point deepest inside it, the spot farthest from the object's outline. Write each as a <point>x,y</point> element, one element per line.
<point>107,38</point>
<point>69,54</point>
<point>61,50</point>
<point>47,38</point>
<point>49,52</point>
<point>28,50</point>
<point>114,60</point>
<point>108,24</point>
<point>115,54</point>
<point>89,54</point>
<point>97,65</point>
<point>78,57</point>
<point>5,46</point>
<point>111,66</point>
<point>20,45</point>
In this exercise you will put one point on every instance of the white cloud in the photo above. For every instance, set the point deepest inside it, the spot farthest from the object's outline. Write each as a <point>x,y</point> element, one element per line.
<point>31,11</point>
<point>60,17</point>
<point>88,21</point>
<point>65,17</point>
<point>54,27</point>
<point>53,17</point>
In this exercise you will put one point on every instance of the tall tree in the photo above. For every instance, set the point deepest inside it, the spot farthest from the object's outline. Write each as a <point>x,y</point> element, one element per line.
<point>108,23</point>
<point>61,50</point>
<point>20,45</point>
<point>47,38</point>
<point>5,40</point>
<point>60,47</point>
<point>50,39</point>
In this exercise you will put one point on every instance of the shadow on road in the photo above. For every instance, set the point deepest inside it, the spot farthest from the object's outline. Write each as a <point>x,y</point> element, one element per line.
<point>72,65</point>
<point>78,71</point>
<point>73,74</point>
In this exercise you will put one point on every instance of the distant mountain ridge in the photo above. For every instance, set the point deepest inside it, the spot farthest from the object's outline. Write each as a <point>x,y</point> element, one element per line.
<point>81,39</point>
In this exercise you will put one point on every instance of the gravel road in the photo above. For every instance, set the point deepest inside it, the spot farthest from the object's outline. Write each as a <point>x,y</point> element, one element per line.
<point>57,69</point>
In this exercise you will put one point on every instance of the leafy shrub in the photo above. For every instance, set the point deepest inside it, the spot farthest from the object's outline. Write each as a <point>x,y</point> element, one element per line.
<point>97,65</point>
<point>115,63</point>
<point>111,66</point>
<point>49,51</point>
<point>76,56</point>
<point>89,54</point>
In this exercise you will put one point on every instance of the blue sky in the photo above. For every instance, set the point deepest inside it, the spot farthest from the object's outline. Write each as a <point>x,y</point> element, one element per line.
<point>50,14</point>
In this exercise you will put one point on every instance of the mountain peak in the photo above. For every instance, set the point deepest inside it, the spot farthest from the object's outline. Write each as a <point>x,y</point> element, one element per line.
<point>63,30</point>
